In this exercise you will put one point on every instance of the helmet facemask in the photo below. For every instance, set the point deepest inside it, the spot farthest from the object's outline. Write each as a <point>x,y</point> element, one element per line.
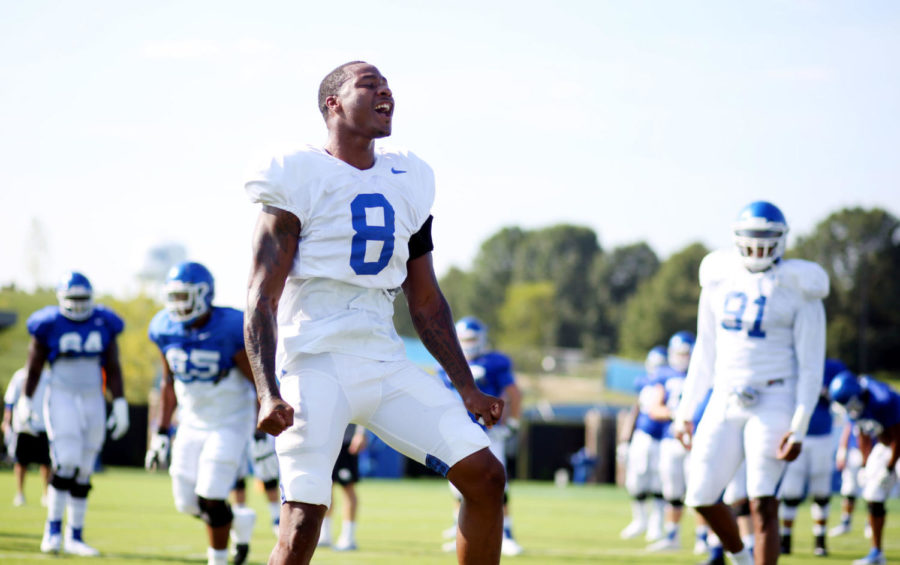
<point>185,302</point>
<point>760,243</point>
<point>76,303</point>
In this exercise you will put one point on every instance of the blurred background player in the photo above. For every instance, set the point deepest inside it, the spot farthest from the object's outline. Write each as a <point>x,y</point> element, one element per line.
<point>761,345</point>
<point>812,471</point>
<point>672,454</point>
<point>78,340</point>
<point>642,459</point>
<point>346,474</point>
<point>849,461</point>
<point>28,444</point>
<point>493,375</point>
<point>875,408</point>
<point>207,376</point>
<point>262,465</point>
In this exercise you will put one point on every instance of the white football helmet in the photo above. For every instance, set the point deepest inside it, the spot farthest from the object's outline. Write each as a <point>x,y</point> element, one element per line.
<point>189,292</point>
<point>472,335</point>
<point>76,296</point>
<point>760,234</point>
<point>681,345</point>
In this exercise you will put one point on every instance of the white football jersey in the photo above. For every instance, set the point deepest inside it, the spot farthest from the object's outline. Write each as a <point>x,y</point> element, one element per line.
<point>353,249</point>
<point>755,328</point>
<point>210,405</point>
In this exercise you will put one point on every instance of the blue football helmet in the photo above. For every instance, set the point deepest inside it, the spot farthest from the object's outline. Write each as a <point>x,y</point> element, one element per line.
<point>189,291</point>
<point>760,234</point>
<point>76,296</point>
<point>472,335</point>
<point>656,358</point>
<point>678,354</point>
<point>846,390</point>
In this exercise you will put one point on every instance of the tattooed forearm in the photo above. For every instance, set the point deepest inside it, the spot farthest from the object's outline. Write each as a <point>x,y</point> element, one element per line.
<point>435,327</point>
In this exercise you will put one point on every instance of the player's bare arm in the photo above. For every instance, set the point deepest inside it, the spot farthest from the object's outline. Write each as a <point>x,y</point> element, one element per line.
<point>37,356</point>
<point>788,448</point>
<point>274,246</point>
<point>167,399</point>
<point>433,321</point>
<point>113,368</point>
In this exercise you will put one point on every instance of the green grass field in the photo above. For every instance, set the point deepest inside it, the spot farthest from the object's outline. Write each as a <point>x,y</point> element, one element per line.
<point>131,520</point>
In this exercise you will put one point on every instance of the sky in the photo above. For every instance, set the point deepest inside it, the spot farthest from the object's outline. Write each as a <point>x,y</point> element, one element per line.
<point>126,126</point>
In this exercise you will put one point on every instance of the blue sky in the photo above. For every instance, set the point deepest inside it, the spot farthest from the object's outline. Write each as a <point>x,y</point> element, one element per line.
<point>124,125</point>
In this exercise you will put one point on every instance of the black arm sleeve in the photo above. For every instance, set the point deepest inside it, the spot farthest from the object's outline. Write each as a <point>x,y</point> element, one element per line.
<point>420,242</point>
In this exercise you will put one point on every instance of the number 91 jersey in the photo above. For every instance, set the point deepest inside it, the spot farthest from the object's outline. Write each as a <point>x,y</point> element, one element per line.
<point>763,322</point>
<point>211,391</point>
<point>355,227</point>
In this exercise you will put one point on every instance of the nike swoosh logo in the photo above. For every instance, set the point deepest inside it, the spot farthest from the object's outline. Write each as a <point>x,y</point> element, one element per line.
<point>396,171</point>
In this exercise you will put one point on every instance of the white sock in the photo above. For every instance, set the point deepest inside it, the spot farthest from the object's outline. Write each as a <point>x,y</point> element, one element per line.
<point>275,511</point>
<point>325,532</point>
<point>216,556</point>
<point>242,524</point>
<point>742,557</point>
<point>638,512</point>
<point>348,530</point>
<point>77,509</point>
<point>56,504</point>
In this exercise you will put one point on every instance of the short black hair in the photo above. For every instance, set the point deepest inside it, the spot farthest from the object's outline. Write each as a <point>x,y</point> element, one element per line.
<point>332,83</point>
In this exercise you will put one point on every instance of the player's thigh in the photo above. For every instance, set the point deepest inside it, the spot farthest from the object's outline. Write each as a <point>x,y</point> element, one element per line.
<point>850,485</point>
<point>64,427</point>
<point>821,464</point>
<point>879,458</point>
<point>737,486</point>
<point>762,435</point>
<point>793,485</point>
<point>308,449</point>
<point>671,468</point>
<point>186,448</point>
<point>220,461</point>
<point>421,418</point>
<point>717,450</point>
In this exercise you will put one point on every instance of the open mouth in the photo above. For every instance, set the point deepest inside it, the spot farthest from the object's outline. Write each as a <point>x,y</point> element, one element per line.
<point>385,108</point>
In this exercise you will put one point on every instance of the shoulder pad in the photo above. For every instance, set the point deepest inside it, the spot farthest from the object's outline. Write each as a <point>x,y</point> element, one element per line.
<point>116,323</point>
<point>497,361</point>
<point>717,265</point>
<point>43,318</point>
<point>805,276</point>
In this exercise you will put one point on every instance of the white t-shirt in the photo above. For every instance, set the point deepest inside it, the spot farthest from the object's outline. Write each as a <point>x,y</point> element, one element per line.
<point>353,248</point>
<point>15,390</point>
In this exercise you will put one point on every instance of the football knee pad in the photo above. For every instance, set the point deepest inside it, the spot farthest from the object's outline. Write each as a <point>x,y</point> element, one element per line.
<point>877,509</point>
<point>819,508</point>
<point>216,513</point>
<point>676,504</point>
<point>792,502</point>
<point>641,497</point>
<point>270,484</point>
<point>742,508</point>
<point>79,490</point>
<point>658,496</point>
<point>62,483</point>
<point>240,484</point>
<point>505,498</point>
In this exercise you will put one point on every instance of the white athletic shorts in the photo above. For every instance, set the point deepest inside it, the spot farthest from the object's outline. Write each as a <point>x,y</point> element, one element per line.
<point>850,483</point>
<point>737,486</point>
<point>409,409</point>
<point>76,427</point>
<point>642,467</point>
<point>874,490</point>
<point>730,433</point>
<point>814,464</point>
<point>673,461</point>
<point>211,460</point>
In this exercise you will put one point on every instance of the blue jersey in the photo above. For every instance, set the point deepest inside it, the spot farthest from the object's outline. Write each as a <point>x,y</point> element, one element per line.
<point>882,406</point>
<point>492,373</point>
<point>203,354</point>
<point>646,387</point>
<point>821,420</point>
<point>69,339</point>
<point>672,382</point>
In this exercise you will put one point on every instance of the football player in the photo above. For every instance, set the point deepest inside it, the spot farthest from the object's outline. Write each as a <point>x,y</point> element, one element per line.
<point>812,470</point>
<point>672,453</point>
<point>29,444</point>
<point>342,229</point>
<point>78,340</point>
<point>494,376</point>
<point>643,435</point>
<point>761,345</point>
<point>262,465</point>
<point>207,376</point>
<point>875,409</point>
<point>848,460</point>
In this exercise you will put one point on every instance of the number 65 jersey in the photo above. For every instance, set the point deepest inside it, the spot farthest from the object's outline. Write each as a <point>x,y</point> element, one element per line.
<point>353,247</point>
<point>756,329</point>
<point>211,391</point>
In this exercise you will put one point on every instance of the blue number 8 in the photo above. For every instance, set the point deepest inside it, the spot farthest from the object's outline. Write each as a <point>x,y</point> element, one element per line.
<point>735,304</point>
<point>366,232</point>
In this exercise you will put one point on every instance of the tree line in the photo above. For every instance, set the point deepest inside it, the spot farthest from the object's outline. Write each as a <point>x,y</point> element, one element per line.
<point>556,287</point>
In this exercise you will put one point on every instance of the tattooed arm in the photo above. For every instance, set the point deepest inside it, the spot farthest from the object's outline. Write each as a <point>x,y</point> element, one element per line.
<point>433,321</point>
<point>274,246</point>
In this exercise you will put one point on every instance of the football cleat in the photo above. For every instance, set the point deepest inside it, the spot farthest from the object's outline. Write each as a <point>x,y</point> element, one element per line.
<point>345,545</point>
<point>78,547</point>
<point>449,533</point>
<point>665,544</point>
<point>449,547</point>
<point>839,530</point>
<point>820,550</point>
<point>51,543</point>
<point>510,547</point>
<point>700,547</point>
<point>633,530</point>
<point>19,499</point>
<point>786,544</point>
<point>875,557</point>
<point>241,550</point>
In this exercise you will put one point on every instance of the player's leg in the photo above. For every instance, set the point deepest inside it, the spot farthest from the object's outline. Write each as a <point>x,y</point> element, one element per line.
<point>875,492</point>
<point>497,435</point>
<point>672,478</point>
<point>716,453</point>
<point>850,489</point>
<point>424,420</point>
<point>64,428</point>
<point>307,452</point>
<point>791,494</point>
<point>347,539</point>
<point>637,483</point>
<point>42,458</point>
<point>820,470</point>
<point>19,467</point>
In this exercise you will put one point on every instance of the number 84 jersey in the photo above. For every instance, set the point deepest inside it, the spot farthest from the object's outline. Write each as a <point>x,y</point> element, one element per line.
<point>760,327</point>
<point>355,227</point>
